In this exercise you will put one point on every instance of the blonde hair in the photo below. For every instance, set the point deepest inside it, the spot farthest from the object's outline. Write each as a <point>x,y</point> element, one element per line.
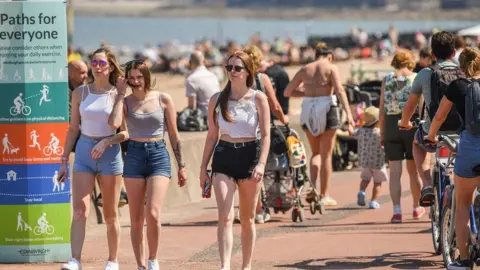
<point>470,61</point>
<point>255,55</point>
<point>403,59</point>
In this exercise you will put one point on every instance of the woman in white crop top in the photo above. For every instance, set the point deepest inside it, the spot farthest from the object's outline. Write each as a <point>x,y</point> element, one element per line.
<point>239,157</point>
<point>97,153</point>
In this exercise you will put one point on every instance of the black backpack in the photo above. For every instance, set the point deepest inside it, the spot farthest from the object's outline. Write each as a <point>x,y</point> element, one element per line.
<point>472,108</point>
<point>439,81</point>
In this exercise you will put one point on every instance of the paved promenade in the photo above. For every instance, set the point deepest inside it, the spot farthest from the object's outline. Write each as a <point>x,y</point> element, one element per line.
<point>345,237</point>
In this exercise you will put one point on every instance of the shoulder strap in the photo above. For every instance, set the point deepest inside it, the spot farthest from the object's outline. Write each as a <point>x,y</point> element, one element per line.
<point>259,82</point>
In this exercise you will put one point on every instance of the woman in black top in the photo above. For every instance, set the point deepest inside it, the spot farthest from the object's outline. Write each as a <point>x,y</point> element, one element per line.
<point>467,156</point>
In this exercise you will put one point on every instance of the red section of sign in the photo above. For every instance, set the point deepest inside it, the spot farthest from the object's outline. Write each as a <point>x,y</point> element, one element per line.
<point>32,143</point>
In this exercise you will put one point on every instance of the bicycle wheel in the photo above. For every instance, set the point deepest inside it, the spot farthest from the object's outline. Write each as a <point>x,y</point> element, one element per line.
<point>47,151</point>
<point>59,151</point>
<point>37,230</point>
<point>435,210</point>
<point>448,238</point>
<point>50,230</point>
<point>13,111</point>
<point>26,111</point>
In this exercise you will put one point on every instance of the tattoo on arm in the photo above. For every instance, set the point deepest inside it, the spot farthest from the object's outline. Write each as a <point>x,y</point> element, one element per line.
<point>177,150</point>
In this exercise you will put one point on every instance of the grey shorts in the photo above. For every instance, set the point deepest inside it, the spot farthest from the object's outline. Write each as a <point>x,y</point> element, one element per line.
<point>378,175</point>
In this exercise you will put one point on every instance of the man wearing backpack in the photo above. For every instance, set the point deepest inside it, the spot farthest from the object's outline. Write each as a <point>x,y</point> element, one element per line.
<point>430,85</point>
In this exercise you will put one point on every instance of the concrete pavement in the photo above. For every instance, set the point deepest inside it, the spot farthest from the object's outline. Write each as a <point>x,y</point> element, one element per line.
<point>345,237</point>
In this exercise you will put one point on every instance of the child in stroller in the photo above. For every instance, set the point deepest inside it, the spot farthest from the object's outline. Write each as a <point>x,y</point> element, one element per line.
<point>285,178</point>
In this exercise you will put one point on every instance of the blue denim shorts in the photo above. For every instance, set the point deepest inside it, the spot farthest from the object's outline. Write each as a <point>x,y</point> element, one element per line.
<point>110,163</point>
<point>146,159</point>
<point>467,156</point>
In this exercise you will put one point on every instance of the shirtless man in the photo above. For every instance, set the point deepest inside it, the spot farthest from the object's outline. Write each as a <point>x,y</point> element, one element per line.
<point>320,117</point>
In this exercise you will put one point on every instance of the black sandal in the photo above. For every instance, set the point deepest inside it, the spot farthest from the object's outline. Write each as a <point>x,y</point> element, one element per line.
<point>427,197</point>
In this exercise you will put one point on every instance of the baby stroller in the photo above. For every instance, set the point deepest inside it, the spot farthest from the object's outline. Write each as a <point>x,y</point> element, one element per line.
<point>284,182</point>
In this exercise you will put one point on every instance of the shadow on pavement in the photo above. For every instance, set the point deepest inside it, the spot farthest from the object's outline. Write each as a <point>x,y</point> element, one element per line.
<point>398,225</point>
<point>398,260</point>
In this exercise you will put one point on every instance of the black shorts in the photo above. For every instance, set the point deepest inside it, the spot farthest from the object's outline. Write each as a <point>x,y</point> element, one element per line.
<point>397,143</point>
<point>333,119</point>
<point>236,160</point>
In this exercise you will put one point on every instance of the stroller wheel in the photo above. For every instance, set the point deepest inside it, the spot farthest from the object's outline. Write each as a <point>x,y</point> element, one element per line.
<point>301,215</point>
<point>320,208</point>
<point>294,214</point>
<point>313,208</point>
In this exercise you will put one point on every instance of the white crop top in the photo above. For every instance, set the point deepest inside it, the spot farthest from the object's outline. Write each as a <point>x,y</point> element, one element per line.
<point>244,119</point>
<point>94,113</point>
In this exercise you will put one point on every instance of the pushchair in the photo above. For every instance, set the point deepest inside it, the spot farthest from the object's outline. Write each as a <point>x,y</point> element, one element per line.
<point>345,156</point>
<point>283,184</point>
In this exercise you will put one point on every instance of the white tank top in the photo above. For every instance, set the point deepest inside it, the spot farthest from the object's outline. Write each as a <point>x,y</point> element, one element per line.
<point>244,119</point>
<point>94,113</point>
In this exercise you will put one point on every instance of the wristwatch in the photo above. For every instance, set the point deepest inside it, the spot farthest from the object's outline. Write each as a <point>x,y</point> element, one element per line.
<point>181,165</point>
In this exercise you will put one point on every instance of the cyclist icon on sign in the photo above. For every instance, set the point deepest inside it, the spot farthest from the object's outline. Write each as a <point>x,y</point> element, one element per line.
<point>53,147</point>
<point>19,106</point>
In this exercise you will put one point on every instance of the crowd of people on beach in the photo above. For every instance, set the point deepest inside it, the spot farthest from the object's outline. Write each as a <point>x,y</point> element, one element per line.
<point>118,138</point>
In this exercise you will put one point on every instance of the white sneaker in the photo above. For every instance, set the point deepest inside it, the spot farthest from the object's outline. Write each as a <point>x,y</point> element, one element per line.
<point>266,216</point>
<point>259,219</point>
<point>328,201</point>
<point>111,266</point>
<point>73,264</point>
<point>153,265</point>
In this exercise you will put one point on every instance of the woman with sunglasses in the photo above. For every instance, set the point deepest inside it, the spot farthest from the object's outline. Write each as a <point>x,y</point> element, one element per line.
<point>97,153</point>
<point>239,157</point>
<point>147,171</point>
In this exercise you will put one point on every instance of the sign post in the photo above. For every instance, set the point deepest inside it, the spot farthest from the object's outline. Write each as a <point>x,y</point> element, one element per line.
<point>34,208</point>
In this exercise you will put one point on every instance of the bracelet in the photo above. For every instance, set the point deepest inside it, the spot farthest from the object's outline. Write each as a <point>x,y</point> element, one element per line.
<point>64,159</point>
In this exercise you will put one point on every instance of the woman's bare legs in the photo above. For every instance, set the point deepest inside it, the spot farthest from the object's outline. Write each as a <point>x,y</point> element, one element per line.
<point>224,188</point>
<point>136,188</point>
<point>248,192</point>
<point>83,184</point>
<point>110,187</point>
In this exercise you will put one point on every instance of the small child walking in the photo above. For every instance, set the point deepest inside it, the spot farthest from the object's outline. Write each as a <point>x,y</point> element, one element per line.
<point>372,157</point>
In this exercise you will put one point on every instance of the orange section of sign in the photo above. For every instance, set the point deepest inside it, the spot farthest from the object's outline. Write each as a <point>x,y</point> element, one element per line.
<point>32,143</point>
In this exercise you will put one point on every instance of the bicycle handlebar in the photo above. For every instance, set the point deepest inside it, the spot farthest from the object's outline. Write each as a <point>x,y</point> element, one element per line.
<point>447,141</point>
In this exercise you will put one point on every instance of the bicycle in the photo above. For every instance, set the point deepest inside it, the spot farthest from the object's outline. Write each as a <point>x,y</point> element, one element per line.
<point>48,229</point>
<point>48,150</point>
<point>444,161</point>
<point>25,110</point>
<point>449,239</point>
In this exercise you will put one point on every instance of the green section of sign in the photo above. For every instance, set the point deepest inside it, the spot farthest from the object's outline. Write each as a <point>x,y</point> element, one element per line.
<point>34,103</point>
<point>33,41</point>
<point>45,224</point>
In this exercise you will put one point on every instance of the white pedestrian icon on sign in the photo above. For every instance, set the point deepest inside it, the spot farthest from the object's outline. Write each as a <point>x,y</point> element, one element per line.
<point>11,176</point>
<point>57,185</point>
<point>22,226</point>
<point>42,226</point>
<point>34,137</point>
<point>17,76</point>
<point>8,147</point>
<point>19,106</point>
<point>45,90</point>
<point>31,75</point>
<point>45,75</point>
<point>53,147</point>
<point>60,74</point>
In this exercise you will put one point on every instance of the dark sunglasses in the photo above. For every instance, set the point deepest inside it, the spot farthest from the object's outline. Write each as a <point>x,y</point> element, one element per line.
<point>101,63</point>
<point>129,64</point>
<point>229,68</point>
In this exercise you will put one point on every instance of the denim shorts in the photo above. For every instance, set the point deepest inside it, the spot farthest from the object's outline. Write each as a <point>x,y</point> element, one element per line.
<point>110,163</point>
<point>236,160</point>
<point>146,159</point>
<point>467,156</point>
